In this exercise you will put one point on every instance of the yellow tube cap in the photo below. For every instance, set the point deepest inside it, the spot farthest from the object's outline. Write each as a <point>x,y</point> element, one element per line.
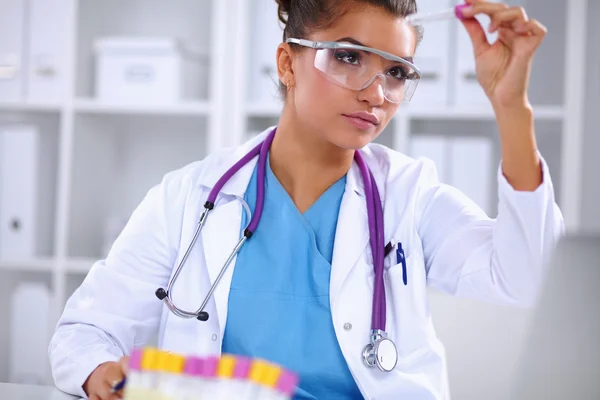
<point>258,370</point>
<point>174,363</point>
<point>150,359</point>
<point>265,373</point>
<point>161,361</point>
<point>226,366</point>
<point>271,375</point>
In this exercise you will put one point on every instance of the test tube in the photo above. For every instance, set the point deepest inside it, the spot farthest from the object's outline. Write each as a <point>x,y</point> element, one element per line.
<point>241,378</point>
<point>268,381</point>
<point>208,374</point>
<point>258,369</point>
<point>136,387</point>
<point>149,375</point>
<point>192,382</point>
<point>170,381</point>
<point>227,386</point>
<point>286,385</point>
<point>424,17</point>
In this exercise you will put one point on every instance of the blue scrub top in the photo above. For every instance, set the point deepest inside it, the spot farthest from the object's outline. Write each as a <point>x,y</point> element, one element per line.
<point>279,299</point>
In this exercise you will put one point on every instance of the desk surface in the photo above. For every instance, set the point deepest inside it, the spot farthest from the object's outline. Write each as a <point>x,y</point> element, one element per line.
<point>11,391</point>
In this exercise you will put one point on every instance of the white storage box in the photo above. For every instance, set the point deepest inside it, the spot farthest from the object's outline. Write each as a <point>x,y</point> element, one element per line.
<point>148,70</point>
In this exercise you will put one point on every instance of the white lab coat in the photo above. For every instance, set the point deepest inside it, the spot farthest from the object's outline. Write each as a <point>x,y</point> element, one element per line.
<point>448,241</point>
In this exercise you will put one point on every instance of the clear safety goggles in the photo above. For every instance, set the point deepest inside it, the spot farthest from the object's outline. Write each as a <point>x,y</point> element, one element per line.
<point>356,67</point>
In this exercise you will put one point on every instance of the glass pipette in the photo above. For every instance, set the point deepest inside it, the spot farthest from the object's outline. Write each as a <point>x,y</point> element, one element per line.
<point>420,18</point>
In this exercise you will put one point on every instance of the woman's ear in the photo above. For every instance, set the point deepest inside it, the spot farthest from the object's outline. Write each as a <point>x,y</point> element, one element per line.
<point>285,67</point>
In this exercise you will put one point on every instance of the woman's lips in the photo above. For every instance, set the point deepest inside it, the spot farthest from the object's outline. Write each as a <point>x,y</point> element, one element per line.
<point>362,121</point>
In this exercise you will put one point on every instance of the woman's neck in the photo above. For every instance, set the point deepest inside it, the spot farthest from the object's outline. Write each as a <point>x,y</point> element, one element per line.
<point>305,164</point>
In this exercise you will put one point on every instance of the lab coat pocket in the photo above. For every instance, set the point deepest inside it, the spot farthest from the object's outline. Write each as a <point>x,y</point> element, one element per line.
<point>407,309</point>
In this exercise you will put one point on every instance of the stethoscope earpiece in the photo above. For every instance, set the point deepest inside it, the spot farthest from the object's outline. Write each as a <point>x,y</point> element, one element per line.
<point>202,316</point>
<point>161,293</point>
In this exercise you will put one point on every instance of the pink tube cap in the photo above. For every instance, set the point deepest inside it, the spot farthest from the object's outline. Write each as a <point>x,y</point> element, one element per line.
<point>135,359</point>
<point>193,366</point>
<point>242,367</point>
<point>209,367</point>
<point>287,382</point>
<point>458,10</point>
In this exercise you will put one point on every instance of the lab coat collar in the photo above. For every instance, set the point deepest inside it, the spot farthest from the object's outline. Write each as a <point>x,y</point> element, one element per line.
<point>238,184</point>
<point>354,178</point>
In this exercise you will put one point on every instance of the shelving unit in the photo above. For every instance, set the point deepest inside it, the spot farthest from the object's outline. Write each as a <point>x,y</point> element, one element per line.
<point>552,113</point>
<point>192,108</point>
<point>29,106</point>
<point>31,265</point>
<point>103,157</point>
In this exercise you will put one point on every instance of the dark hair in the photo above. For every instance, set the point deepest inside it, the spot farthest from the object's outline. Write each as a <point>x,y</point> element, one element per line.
<point>302,16</point>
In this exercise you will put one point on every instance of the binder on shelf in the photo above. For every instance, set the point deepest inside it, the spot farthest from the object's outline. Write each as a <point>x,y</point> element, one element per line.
<point>472,169</point>
<point>433,59</point>
<point>48,42</point>
<point>266,35</point>
<point>12,28</point>
<point>19,159</point>
<point>436,148</point>
<point>465,163</point>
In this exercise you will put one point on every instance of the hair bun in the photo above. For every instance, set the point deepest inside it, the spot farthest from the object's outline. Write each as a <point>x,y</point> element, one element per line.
<point>283,9</point>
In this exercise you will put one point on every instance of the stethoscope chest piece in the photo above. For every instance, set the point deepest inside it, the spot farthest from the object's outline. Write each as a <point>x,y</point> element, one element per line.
<point>381,352</point>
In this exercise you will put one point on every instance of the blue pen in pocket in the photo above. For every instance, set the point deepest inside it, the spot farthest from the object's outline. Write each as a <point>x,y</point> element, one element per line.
<point>402,259</point>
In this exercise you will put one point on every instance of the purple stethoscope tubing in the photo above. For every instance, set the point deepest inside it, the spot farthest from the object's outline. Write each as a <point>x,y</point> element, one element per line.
<point>381,350</point>
<point>375,218</point>
<point>261,151</point>
<point>374,215</point>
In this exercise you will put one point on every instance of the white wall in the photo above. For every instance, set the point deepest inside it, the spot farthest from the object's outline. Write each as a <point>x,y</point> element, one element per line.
<point>591,161</point>
<point>483,343</point>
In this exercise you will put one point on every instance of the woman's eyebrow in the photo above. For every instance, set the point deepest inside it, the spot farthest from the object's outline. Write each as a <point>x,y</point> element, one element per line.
<point>351,40</point>
<point>357,42</point>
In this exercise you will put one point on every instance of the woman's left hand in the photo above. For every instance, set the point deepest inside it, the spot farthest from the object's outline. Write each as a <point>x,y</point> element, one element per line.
<point>503,68</point>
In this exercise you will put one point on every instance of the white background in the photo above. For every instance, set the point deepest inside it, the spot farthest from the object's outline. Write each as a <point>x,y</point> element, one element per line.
<point>98,157</point>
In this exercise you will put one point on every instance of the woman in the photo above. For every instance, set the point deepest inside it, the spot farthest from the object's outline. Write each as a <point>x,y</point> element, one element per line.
<point>300,292</point>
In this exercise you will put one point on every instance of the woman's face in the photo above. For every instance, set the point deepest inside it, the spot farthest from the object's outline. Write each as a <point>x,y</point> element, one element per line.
<point>323,105</point>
